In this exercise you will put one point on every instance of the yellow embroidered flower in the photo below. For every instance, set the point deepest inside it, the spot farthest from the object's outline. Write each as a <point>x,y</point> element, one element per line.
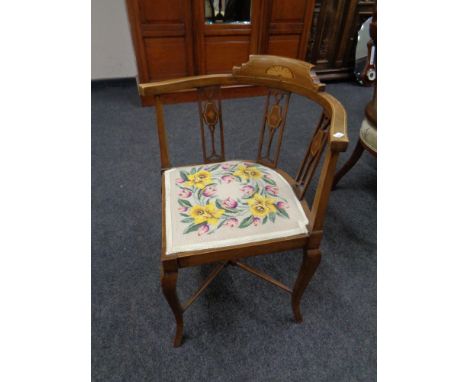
<point>249,172</point>
<point>200,179</point>
<point>197,212</point>
<point>208,213</point>
<point>261,206</point>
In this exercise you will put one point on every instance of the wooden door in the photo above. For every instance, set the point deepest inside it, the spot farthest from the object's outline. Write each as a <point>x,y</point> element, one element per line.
<point>162,38</point>
<point>288,27</point>
<point>218,47</point>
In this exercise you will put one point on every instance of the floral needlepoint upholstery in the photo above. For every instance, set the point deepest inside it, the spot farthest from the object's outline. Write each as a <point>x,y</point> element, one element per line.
<point>223,204</point>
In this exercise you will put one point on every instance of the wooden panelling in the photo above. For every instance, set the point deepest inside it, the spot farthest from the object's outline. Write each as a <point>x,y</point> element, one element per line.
<point>291,10</point>
<point>289,27</point>
<point>286,28</point>
<point>227,30</point>
<point>284,45</point>
<point>163,30</point>
<point>166,57</point>
<point>171,39</point>
<point>223,52</point>
<point>162,11</point>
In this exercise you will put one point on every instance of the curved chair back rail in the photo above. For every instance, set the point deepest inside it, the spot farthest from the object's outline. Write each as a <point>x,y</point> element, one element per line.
<point>281,76</point>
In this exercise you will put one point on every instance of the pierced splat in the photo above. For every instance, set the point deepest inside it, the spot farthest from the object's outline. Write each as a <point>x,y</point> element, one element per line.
<point>312,156</point>
<point>276,109</point>
<point>209,107</point>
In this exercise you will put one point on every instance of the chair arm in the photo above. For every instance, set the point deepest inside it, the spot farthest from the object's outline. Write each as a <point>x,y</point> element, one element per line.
<point>185,83</point>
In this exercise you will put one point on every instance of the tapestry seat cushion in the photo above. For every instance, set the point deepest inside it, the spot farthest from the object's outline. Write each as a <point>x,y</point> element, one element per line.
<point>368,134</point>
<point>229,203</point>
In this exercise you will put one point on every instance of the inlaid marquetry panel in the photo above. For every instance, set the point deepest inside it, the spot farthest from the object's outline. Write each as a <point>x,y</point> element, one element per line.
<point>271,134</point>
<point>312,155</point>
<point>211,124</point>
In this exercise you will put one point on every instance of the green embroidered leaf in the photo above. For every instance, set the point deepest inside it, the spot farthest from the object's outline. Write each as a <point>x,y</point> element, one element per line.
<point>229,211</point>
<point>246,222</point>
<point>187,220</point>
<point>193,170</point>
<point>184,203</point>
<point>184,175</point>
<point>221,223</point>
<point>213,168</point>
<point>193,227</point>
<point>256,189</point>
<point>269,181</point>
<point>218,204</point>
<point>199,193</point>
<point>265,219</point>
<point>184,215</point>
<point>271,217</point>
<point>282,212</point>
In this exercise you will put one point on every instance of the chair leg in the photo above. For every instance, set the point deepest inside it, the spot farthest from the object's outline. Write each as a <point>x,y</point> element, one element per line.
<point>358,150</point>
<point>310,262</point>
<point>169,284</point>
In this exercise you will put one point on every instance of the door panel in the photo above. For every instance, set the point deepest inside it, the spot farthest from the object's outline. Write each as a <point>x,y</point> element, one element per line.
<point>166,57</point>
<point>223,52</point>
<point>286,45</point>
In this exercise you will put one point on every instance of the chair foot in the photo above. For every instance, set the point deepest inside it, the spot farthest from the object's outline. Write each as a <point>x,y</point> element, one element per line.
<point>358,150</point>
<point>310,262</point>
<point>169,284</point>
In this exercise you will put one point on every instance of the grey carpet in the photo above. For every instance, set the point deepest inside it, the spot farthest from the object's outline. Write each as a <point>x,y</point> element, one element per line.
<point>241,329</point>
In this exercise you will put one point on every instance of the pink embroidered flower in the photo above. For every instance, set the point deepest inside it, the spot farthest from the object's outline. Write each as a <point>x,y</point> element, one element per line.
<point>282,205</point>
<point>256,221</point>
<point>227,178</point>
<point>184,193</point>
<point>232,222</point>
<point>268,176</point>
<point>247,190</point>
<point>203,229</point>
<point>272,190</point>
<point>179,180</point>
<point>226,166</point>
<point>229,203</point>
<point>209,191</point>
<point>182,209</point>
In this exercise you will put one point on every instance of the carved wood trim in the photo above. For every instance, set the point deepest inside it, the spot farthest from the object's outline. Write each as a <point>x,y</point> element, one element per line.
<point>274,119</point>
<point>209,108</point>
<point>281,69</point>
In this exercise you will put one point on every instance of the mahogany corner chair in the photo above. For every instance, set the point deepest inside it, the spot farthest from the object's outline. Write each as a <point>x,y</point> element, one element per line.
<point>222,211</point>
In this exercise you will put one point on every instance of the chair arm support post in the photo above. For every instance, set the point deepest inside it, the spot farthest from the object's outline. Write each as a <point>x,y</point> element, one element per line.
<point>319,205</point>
<point>163,147</point>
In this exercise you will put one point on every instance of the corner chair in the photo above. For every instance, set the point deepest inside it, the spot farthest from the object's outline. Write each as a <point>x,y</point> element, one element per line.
<point>221,211</point>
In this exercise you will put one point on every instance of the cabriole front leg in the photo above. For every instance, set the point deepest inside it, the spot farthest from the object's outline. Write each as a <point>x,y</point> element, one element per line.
<point>169,284</point>
<point>310,262</point>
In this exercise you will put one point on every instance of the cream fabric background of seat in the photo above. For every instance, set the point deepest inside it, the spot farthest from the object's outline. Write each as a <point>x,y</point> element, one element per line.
<point>368,134</point>
<point>228,203</point>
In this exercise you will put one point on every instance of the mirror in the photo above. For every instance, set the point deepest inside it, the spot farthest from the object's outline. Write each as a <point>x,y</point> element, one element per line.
<point>227,11</point>
<point>363,67</point>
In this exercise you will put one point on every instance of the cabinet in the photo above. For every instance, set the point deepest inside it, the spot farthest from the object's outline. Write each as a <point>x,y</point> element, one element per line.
<point>332,42</point>
<point>176,38</point>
